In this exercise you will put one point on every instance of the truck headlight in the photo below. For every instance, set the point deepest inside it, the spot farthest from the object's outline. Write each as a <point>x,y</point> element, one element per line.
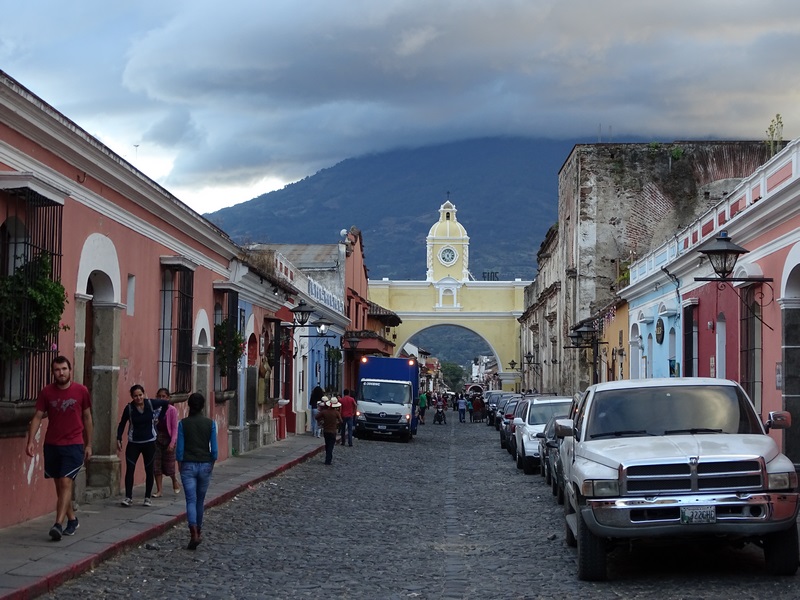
<point>782,481</point>
<point>600,488</point>
<point>405,418</point>
<point>360,416</point>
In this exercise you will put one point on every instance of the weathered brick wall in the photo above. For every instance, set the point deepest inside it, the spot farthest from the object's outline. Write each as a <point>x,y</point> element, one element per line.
<point>619,201</point>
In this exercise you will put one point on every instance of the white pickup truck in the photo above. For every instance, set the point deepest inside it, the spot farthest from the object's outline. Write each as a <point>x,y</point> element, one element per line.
<point>678,458</point>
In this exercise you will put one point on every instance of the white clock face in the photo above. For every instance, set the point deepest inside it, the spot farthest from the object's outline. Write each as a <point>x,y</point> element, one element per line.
<point>447,256</point>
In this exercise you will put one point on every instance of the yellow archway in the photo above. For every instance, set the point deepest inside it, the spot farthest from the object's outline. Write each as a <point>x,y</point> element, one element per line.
<point>451,296</point>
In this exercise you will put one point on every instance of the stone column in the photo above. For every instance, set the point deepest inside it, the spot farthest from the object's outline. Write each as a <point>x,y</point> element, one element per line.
<point>104,468</point>
<point>202,374</point>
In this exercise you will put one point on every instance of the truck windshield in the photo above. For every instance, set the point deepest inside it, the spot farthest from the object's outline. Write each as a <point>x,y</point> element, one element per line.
<point>672,410</point>
<point>385,392</point>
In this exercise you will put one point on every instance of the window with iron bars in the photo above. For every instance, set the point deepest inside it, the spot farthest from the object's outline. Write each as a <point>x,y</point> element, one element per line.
<point>30,230</point>
<point>750,375</point>
<point>175,333</point>
<point>226,375</point>
<point>332,358</point>
<point>690,340</point>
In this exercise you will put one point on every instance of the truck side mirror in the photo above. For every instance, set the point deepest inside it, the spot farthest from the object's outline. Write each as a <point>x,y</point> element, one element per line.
<point>565,428</point>
<point>779,419</point>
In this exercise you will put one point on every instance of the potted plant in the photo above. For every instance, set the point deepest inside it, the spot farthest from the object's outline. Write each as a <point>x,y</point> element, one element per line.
<point>31,306</point>
<point>229,345</point>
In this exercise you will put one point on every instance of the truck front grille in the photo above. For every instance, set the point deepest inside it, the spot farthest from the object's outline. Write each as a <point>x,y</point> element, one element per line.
<point>377,419</point>
<point>687,478</point>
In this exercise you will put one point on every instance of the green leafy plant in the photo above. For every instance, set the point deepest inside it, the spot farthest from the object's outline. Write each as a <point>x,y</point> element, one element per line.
<point>229,345</point>
<point>774,135</point>
<point>334,354</point>
<point>31,306</point>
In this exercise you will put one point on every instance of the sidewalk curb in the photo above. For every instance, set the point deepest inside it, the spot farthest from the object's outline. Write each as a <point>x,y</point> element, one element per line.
<point>51,582</point>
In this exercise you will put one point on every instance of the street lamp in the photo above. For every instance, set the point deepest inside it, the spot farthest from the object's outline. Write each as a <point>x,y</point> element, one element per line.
<point>302,313</point>
<point>512,364</point>
<point>352,341</point>
<point>322,326</point>
<point>587,337</point>
<point>530,359</point>
<point>723,254</point>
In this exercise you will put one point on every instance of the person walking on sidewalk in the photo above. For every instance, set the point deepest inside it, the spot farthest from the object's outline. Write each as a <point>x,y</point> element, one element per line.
<point>313,403</point>
<point>330,420</point>
<point>68,441</point>
<point>142,415</point>
<point>197,452</point>
<point>348,413</point>
<point>167,438</point>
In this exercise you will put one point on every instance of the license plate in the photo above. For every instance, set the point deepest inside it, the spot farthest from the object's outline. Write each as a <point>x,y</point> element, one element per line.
<point>698,514</point>
<point>381,426</point>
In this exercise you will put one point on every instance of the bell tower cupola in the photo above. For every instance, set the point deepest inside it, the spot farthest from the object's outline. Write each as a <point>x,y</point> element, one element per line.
<point>448,247</point>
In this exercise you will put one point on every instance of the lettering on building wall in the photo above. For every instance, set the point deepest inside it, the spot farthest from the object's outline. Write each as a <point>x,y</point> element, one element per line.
<point>323,296</point>
<point>491,276</point>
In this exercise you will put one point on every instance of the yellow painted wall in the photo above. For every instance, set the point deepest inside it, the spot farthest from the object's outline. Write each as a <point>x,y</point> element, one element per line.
<point>490,309</point>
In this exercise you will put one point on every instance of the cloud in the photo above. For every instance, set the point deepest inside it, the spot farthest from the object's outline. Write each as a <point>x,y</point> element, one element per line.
<point>276,90</point>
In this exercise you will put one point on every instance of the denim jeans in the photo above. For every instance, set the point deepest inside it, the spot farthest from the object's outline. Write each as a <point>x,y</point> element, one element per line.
<point>330,442</point>
<point>314,424</point>
<point>196,476</point>
<point>347,430</point>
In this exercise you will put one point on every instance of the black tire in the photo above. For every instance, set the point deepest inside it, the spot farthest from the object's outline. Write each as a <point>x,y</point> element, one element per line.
<point>502,441</point>
<point>520,459</point>
<point>553,486</point>
<point>569,537</point>
<point>542,466</point>
<point>548,478</point>
<point>559,492</point>
<point>405,438</point>
<point>782,552</point>
<point>591,553</point>
<point>528,467</point>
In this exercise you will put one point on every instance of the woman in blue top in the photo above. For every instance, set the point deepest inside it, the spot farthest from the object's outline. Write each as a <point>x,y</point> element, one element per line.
<point>196,452</point>
<point>141,416</point>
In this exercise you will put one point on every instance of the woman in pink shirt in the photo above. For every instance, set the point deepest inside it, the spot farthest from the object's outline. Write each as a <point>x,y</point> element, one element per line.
<point>164,461</point>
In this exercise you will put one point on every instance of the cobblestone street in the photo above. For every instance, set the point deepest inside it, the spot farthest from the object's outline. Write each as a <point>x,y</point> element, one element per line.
<point>446,516</point>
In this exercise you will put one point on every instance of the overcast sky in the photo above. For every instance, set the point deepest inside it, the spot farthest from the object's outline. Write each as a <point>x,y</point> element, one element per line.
<point>222,101</point>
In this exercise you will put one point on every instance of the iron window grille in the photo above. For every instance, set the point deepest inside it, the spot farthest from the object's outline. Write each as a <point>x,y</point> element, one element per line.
<point>175,333</point>
<point>32,228</point>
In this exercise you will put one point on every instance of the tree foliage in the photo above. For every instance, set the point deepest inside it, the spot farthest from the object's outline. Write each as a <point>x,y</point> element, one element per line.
<point>453,375</point>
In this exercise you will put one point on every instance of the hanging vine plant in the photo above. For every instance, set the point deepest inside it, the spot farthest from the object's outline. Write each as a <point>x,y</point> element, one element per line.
<point>229,346</point>
<point>31,306</point>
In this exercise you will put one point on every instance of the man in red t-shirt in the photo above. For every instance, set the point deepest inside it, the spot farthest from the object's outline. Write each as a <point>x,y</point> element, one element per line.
<point>348,412</point>
<point>67,443</point>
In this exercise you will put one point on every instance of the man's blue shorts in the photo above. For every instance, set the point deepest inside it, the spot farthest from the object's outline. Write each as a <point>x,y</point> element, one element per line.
<point>62,461</point>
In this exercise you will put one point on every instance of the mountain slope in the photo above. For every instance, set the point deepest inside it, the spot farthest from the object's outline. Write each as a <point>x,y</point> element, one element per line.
<point>505,191</point>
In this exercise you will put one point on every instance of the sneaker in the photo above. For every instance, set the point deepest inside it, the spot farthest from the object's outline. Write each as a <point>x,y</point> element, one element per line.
<point>56,532</point>
<point>127,502</point>
<point>148,502</point>
<point>71,526</point>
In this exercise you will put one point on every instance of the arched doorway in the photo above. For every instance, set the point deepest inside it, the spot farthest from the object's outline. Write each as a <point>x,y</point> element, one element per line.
<point>98,315</point>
